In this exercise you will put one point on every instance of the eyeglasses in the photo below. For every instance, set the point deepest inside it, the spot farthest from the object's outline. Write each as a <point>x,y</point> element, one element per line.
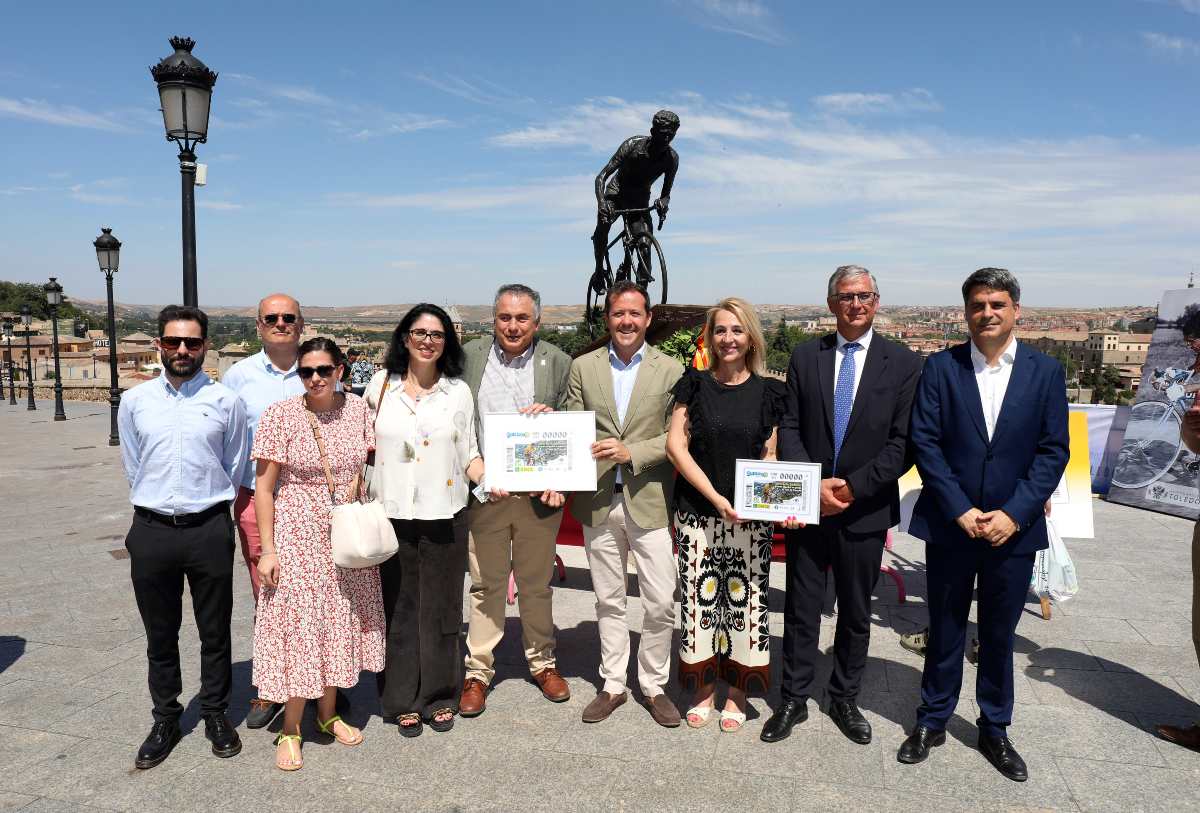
<point>172,342</point>
<point>324,370</point>
<point>421,334</point>
<point>863,298</point>
<point>272,318</point>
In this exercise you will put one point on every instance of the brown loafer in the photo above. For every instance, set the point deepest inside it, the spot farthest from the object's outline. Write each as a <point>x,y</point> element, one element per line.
<point>603,705</point>
<point>663,711</point>
<point>553,687</point>
<point>473,700</point>
<point>1187,737</point>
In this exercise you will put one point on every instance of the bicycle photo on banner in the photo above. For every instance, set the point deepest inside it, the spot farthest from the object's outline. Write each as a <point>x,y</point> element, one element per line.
<point>1154,469</point>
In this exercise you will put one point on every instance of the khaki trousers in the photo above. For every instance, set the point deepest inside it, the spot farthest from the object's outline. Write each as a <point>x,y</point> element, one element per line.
<point>1196,590</point>
<point>608,547</point>
<point>507,535</point>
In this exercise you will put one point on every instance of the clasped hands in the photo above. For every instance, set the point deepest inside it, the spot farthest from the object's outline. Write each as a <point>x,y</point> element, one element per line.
<point>996,526</point>
<point>552,498</point>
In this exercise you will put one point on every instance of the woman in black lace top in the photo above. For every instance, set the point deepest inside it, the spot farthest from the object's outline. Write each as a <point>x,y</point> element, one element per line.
<point>728,412</point>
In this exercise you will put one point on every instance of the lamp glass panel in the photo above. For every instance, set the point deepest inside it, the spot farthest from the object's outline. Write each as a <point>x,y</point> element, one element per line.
<point>114,257</point>
<point>197,101</point>
<point>171,97</point>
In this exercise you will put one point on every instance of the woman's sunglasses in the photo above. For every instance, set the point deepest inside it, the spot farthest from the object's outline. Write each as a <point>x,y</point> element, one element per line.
<point>325,371</point>
<point>272,318</point>
<point>172,342</point>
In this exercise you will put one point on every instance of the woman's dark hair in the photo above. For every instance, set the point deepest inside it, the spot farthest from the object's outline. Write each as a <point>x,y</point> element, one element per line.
<point>449,364</point>
<point>322,344</point>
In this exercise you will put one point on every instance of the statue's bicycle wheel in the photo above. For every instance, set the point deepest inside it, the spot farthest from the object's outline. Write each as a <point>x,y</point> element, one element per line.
<point>1150,447</point>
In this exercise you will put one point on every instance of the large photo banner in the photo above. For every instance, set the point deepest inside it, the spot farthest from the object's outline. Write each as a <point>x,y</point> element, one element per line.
<point>1154,470</point>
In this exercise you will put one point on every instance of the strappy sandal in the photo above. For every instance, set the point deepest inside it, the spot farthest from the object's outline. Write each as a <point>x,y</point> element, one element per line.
<point>293,743</point>
<point>414,727</point>
<point>735,717</point>
<point>442,725</point>
<point>327,728</point>
<point>699,716</point>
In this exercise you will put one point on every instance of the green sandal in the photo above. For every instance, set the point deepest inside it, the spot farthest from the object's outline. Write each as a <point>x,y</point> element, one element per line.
<point>297,760</point>
<point>327,728</point>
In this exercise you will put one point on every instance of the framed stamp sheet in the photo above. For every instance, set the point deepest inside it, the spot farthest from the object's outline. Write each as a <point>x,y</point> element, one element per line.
<point>536,452</point>
<point>775,490</point>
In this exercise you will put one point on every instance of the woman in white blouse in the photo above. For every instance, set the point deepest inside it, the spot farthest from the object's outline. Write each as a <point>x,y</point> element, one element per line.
<point>426,454</point>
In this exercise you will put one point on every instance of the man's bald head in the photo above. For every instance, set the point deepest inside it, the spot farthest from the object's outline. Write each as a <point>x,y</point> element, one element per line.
<point>280,322</point>
<point>278,303</point>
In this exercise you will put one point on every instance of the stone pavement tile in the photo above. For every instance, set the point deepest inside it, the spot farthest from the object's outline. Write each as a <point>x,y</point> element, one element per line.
<point>1166,631</point>
<point>1174,756</point>
<point>1101,786</point>
<point>699,788</point>
<point>904,680</point>
<point>45,805</point>
<point>631,734</point>
<point>1151,660</point>
<point>836,798</point>
<point>36,705</point>
<point>1083,733</point>
<point>91,772</point>
<point>20,747</point>
<point>62,663</point>
<point>1061,629</point>
<point>1150,572</point>
<point>1062,655</point>
<point>124,719</point>
<point>1110,691</point>
<point>14,801</point>
<point>1119,599</point>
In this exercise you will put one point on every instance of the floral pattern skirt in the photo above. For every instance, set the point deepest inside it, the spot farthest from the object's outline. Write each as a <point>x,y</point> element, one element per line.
<point>723,577</point>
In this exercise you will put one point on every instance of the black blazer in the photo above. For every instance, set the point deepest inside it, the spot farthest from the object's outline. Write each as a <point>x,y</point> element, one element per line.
<point>873,455</point>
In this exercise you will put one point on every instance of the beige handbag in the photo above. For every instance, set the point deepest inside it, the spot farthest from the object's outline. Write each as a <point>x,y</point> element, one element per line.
<point>360,532</point>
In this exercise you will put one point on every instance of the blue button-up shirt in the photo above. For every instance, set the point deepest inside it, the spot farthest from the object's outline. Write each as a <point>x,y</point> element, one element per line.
<point>624,376</point>
<point>184,450</point>
<point>259,383</point>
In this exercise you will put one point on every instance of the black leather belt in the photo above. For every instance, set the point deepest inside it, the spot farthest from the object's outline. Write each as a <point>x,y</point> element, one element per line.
<point>618,488</point>
<point>182,520</point>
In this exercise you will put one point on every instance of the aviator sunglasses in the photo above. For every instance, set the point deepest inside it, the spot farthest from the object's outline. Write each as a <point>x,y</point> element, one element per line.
<point>272,318</point>
<point>324,370</point>
<point>193,343</point>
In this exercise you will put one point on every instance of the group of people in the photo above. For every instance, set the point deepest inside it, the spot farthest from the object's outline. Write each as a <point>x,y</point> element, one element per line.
<point>281,441</point>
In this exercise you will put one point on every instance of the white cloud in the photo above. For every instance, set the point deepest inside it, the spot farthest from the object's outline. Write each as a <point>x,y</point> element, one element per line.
<point>479,91</point>
<point>1190,6</point>
<point>391,124</point>
<point>1177,47</point>
<point>917,100</point>
<point>745,18</point>
<point>60,115</point>
<point>295,93</point>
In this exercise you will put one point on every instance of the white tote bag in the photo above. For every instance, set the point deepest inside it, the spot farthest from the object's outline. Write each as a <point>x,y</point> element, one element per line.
<point>1053,570</point>
<point>360,532</point>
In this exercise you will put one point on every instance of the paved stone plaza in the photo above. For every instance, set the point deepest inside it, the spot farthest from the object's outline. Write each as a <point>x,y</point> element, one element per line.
<point>1090,684</point>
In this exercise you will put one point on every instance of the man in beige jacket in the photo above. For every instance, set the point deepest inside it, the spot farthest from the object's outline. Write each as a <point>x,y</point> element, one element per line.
<point>629,384</point>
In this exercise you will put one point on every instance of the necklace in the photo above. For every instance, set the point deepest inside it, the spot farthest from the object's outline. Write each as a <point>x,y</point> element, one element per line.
<point>417,391</point>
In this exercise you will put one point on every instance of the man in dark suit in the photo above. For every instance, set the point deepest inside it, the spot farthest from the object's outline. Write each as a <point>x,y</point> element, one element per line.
<point>849,397</point>
<point>989,435</point>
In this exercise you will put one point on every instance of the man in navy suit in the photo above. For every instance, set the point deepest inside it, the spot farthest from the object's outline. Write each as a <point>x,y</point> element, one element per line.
<point>989,436</point>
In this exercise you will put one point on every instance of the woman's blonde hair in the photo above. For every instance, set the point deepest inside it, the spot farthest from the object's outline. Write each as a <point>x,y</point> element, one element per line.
<point>743,311</point>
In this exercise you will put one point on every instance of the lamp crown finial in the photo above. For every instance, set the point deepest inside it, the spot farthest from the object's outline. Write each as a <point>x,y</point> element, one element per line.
<point>183,44</point>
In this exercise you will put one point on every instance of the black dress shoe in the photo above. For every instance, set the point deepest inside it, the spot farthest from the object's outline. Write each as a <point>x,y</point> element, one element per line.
<point>1000,752</point>
<point>261,713</point>
<point>787,715</point>
<point>225,740</point>
<point>157,747</point>
<point>850,721</point>
<point>916,748</point>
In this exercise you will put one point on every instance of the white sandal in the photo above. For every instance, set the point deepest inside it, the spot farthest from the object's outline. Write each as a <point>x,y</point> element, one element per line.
<point>703,716</point>
<point>735,717</point>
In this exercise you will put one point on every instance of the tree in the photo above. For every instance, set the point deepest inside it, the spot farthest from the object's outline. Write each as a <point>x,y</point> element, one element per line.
<point>1070,366</point>
<point>568,341</point>
<point>15,294</point>
<point>780,344</point>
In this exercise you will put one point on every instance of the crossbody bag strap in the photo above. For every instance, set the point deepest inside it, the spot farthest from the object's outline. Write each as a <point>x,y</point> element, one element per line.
<point>316,429</point>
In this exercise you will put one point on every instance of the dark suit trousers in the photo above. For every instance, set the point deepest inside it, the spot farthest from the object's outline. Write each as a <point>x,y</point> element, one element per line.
<point>160,557</point>
<point>854,561</point>
<point>1003,585</point>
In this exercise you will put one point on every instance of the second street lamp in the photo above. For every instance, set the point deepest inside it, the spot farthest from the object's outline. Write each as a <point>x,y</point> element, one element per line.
<point>108,255</point>
<point>54,298</point>
<point>12,379</point>
<point>185,91</point>
<point>27,321</point>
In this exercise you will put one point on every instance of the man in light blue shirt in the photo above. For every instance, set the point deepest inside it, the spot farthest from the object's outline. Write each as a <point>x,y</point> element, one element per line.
<point>184,449</point>
<point>261,380</point>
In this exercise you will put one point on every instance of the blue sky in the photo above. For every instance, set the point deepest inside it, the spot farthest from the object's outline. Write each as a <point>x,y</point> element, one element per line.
<point>394,152</point>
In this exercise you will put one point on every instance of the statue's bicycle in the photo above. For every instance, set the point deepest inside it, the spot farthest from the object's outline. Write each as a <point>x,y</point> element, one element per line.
<point>643,263</point>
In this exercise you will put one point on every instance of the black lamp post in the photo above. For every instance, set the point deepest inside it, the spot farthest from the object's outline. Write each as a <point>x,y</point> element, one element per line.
<point>54,298</point>
<point>185,92</point>
<point>27,320</point>
<point>12,381</point>
<point>108,254</point>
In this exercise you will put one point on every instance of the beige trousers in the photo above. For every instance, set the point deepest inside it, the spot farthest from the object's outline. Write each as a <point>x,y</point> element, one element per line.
<point>608,547</point>
<point>507,535</point>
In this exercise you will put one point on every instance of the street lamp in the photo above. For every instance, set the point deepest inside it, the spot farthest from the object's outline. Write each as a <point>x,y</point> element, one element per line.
<point>54,298</point>
<point>108,255</point>
<point>185,92</point>
<point>27,320</point>
<point>12,381</point>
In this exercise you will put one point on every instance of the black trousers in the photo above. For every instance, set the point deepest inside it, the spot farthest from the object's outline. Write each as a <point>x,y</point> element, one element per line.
<point>422,605</point>
<point>854,561</point>
<point>160,557</point>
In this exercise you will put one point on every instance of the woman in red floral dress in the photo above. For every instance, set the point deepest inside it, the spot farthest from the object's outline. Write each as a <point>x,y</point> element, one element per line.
<point>317,625</point>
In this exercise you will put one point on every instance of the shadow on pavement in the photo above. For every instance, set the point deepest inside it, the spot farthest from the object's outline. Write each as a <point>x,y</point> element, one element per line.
<point>12,647</point>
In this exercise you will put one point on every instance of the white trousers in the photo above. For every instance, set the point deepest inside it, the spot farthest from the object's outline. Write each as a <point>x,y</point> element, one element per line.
<point>608,547</point>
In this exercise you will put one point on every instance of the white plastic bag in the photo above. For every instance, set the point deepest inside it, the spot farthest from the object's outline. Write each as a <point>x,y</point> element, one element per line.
<point>1053,570</point>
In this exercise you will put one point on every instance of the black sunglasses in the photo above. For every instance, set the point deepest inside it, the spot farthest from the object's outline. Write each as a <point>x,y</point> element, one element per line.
<point>272,318</point>
<point>172,342</point>
<point>325,371</point>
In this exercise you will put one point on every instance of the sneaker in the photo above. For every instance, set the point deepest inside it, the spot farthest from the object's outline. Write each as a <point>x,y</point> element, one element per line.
<point>916,642</point>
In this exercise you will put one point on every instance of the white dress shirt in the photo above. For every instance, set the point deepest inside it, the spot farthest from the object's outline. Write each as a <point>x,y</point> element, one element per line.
<point>993,382</point>
<point>624,376</point>
<point>184,450</point>
<point>422,448</point>
<point>506,384</point>
<point>860,358</point>
<point>259,383</point>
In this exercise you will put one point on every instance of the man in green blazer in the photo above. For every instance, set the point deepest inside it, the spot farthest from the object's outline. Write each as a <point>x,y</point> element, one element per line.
<point>513,372</point>
<point>629,385</point>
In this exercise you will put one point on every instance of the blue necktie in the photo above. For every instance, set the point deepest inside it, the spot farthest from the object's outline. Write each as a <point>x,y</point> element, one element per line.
<point>843,399</point>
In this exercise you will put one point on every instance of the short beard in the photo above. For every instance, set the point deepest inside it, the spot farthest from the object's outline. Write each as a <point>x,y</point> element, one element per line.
<point>182,368</point>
